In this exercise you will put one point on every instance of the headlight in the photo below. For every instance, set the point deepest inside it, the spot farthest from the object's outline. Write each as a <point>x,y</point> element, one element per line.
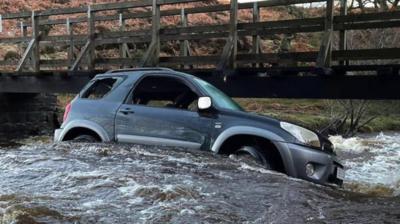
<point>303,135</point>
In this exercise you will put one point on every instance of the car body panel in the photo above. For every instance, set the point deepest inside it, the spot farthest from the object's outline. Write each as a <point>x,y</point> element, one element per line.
<point>162,123</point>
<point>114,119</point>
<point>93,126</point>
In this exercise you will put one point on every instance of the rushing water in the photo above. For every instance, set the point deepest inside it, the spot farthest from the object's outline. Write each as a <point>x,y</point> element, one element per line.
<point>105,183</point>
<point>372,162</point>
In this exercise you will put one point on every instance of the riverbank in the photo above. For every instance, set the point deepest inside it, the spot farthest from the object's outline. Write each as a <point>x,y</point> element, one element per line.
<point>314,114</point>
<point>317,114</point>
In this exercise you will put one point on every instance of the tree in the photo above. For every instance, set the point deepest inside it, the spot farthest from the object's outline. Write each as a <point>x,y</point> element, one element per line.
<point>348,117</point>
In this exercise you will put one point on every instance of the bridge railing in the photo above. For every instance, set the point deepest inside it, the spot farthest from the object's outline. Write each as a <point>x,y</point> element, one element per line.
<point>83,50</point>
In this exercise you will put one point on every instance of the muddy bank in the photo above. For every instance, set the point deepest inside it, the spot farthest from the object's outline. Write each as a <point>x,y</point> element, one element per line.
<point>64,183</point>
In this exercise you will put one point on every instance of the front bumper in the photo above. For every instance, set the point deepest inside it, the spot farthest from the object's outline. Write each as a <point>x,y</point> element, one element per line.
<point>327,168</point>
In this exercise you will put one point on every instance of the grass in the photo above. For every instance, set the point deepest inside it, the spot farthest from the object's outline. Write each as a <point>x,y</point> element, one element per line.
<point>316,114</point>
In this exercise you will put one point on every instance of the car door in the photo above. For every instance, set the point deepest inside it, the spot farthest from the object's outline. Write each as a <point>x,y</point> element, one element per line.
<point>161,124</point>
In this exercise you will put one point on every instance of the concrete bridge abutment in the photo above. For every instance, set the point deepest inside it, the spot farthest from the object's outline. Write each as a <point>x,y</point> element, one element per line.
<point>25,114</point>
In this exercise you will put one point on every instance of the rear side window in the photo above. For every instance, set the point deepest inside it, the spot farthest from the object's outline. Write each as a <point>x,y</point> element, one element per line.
<point>100,88</point>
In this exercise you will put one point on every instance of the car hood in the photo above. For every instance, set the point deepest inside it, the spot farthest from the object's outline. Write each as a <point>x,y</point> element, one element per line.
<point>253,116</point>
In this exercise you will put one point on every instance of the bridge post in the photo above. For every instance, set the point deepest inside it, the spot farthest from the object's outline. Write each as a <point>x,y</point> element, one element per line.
<point>343,34</point>
<point>123,47</point>
<point>156,31</point>
<point>325,53</point>
<point>184,44</point>
<point>36,49</point>
<point>91,37</point>
<point>233,31</point>
<point>70,32</point>
<point>24,33</point>
<point>256,38</point>
<point>152,55</point>
<point>33,48</point>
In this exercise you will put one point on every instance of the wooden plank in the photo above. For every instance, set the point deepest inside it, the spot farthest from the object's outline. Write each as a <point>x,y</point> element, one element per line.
<point>194,36</point>
<point>147,3</point>
<point>367,54</point>
<point>70,32</point>
<point>123,40</point>
<point>343,33</point>
<point>225,56</point>
<point>272,32</point>
<point>14,40</point>
<point>276,57</point>
<point>233,31</point>
<point>367,25</point>
<point>194,29</point>
<point>292,23</point>
<point>324,51</point>
<point>81,55</point>
<point>151,57</point>
<point>330,4</point>
<point>36,36</point>
<point>123,48</point>
<point>138,4</point>
<point>256,38</point>
<point>95,8</point>
<point>25,56</point>
<point>378,16</point>
<point>64,38</point>
<point>8,63</point>
<point>184,44</point>
<point>337,19</point>
<point>91,54</point>
<point>55,63</point>
<point>156,30</point>
<point>126,62</point>
<point>210,59</point>
<point>148,55</point>
<point>118,34</point>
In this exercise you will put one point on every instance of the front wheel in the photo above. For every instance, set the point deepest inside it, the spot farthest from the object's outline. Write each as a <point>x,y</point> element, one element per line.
<point>252,154</point>
<point>84,138</point>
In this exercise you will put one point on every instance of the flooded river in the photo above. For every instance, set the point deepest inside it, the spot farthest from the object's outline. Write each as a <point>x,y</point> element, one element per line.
<point>104,183</point>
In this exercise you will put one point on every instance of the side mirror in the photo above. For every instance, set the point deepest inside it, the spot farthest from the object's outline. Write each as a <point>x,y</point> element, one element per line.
<point>204,103</point>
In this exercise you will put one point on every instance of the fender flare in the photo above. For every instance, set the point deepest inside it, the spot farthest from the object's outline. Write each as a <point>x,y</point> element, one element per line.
<point>277,140</point>
<point>85,124</point>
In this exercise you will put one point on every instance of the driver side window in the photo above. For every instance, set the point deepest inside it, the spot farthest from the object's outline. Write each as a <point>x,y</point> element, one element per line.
<point>167,92</point>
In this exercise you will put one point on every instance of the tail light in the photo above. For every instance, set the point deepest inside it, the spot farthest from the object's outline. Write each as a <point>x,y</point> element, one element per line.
<point>67,110</point>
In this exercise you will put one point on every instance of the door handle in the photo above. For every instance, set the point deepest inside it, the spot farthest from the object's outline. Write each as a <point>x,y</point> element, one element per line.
<point>126,111</point>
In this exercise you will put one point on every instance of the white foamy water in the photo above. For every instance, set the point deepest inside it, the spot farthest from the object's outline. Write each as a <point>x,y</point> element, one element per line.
<point>371,162</point>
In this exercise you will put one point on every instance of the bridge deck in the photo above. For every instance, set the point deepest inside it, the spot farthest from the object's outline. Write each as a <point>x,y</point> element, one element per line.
<point>332,71</point>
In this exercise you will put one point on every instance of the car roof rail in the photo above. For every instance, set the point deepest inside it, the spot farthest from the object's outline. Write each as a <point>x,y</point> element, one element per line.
<point>138,70</point>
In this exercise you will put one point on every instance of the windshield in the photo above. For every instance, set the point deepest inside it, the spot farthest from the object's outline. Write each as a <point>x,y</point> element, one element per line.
<point>218,97</point>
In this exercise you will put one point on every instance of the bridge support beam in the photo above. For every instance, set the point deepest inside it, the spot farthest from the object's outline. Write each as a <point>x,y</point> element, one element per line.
<point>23,114</point>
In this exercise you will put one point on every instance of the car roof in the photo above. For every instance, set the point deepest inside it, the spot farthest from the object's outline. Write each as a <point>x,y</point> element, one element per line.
<point>141,71</point>
<point>138,70</point>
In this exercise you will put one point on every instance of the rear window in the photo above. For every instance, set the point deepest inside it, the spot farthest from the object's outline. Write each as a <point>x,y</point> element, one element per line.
<point>100,88</point>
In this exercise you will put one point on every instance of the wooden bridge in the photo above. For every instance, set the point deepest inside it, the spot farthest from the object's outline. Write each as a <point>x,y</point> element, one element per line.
<point>333,71</point>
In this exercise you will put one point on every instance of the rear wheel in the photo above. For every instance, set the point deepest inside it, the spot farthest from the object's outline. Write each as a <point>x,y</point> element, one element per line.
<point>252,154</point>
<point>84,138</point>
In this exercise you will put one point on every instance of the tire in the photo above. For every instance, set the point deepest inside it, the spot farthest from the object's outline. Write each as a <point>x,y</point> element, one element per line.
<point>84,138</point>
<point>252,153</point>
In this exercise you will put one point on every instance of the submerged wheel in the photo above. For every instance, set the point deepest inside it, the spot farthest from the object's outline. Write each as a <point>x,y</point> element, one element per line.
<point>252,153</point>
<point>84,138</point>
